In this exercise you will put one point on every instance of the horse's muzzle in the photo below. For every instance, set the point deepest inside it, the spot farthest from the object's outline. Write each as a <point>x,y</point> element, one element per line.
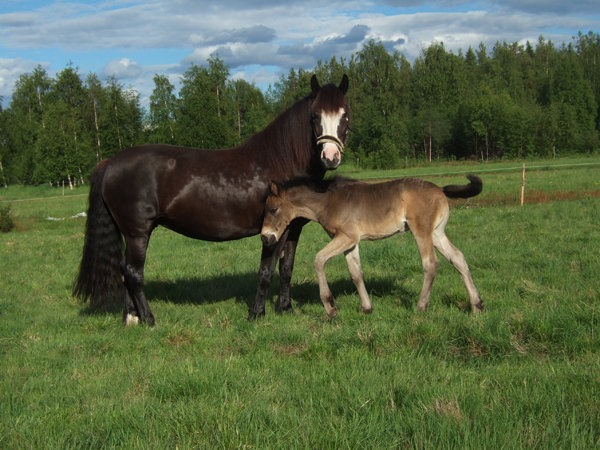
<point>331,156</point>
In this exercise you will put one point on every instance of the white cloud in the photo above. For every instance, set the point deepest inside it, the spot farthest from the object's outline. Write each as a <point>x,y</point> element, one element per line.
<point>123,68</point>
<point>10,70</point>
<point>262,38</point>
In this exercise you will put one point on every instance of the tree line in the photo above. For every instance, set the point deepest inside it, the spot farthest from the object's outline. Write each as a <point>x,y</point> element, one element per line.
<point>511,101</point>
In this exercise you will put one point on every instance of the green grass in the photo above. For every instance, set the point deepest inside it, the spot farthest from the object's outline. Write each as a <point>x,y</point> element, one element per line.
<point>525,374</point>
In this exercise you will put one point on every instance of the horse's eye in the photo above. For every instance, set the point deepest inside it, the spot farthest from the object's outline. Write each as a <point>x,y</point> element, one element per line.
<point>272,210</point>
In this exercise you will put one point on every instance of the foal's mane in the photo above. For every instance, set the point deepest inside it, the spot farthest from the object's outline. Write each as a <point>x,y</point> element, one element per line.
<point>324,185</point>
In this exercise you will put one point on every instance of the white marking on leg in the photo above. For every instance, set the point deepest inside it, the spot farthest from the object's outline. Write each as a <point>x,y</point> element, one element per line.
<point>131,320</point>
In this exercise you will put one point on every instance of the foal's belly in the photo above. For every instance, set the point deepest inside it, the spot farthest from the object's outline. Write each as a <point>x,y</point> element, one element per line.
<point>374,230</point>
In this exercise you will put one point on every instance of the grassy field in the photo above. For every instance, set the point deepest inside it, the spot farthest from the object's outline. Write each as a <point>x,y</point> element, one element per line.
<point>525,374</point>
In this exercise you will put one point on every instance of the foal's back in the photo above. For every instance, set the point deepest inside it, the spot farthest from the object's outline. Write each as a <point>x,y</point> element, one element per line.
<point>377,210</point>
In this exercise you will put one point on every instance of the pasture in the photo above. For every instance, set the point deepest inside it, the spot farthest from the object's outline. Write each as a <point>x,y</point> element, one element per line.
<point>524,374</point>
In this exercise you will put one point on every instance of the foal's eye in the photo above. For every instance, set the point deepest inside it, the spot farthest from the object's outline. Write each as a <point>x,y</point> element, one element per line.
<point>272,210</point>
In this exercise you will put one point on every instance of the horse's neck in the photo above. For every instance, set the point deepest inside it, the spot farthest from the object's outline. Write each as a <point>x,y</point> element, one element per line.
<point>285,146</point>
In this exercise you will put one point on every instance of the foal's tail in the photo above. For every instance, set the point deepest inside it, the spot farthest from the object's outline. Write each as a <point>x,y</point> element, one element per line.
<point>464,191</point>
<point>99,279</point>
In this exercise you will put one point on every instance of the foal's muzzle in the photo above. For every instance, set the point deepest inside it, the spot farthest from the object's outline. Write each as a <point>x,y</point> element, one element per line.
<point>268,239</point>
<point>331,154</point>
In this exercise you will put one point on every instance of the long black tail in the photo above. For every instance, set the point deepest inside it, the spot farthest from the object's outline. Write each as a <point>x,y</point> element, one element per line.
<point>464,191</point>
<point>99,279</point>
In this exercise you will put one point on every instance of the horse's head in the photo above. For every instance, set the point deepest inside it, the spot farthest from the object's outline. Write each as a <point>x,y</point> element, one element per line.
<point>279,212</point>
<point>330,120</point>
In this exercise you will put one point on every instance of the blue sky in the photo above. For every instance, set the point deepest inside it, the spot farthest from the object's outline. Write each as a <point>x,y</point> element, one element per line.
<point>258,39</point>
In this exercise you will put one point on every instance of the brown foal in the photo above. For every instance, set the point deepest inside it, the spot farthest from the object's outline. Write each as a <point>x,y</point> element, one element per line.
<point>351,211</point>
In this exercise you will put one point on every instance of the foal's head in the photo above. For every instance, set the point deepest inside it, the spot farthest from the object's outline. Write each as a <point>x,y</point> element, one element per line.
<point>330,120</point>
<point>279,212</point>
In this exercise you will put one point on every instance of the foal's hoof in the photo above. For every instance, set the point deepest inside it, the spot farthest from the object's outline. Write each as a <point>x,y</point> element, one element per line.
<point>367,310</point>
<point>332,313</point>
<point>478,307</point>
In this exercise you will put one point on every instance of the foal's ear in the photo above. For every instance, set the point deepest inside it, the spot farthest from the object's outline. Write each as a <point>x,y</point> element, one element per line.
<point>344,84</point>
<point>274,188</point>
<point>314,84</point>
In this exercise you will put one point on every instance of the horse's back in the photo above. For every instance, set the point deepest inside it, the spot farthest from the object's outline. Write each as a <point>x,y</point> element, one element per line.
<point>204,194</point>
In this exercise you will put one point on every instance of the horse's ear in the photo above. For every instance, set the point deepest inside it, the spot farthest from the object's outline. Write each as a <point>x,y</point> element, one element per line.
<point>314,84</point>
<point>274,188</point>
<point>344,84</point>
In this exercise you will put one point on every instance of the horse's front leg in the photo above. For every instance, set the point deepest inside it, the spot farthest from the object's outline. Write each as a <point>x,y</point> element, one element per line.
<point>268,260</point>
<point>286,265</point>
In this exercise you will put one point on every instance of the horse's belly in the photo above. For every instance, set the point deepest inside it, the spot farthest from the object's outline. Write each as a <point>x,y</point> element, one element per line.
<point>211,227</point>
<point>215,221</point>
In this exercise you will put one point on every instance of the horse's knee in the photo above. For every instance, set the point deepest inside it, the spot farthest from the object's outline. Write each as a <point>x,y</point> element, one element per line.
<point>133,277</point>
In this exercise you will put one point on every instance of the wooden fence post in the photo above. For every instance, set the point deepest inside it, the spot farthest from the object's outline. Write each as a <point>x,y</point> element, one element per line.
<point>523,186</point>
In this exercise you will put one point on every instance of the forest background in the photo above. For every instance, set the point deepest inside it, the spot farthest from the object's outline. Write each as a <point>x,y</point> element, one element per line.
<point>511,101</point>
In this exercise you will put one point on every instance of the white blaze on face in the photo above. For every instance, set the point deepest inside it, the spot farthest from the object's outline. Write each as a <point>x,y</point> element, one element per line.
<point>329,124</point>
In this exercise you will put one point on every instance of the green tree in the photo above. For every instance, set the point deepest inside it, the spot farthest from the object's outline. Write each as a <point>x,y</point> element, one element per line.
<point>379,133</point>
<point>577,105</point>
<point>200,121</point>
<point>65,142</point>
<point>163,107</point>
<point>4,142</point>
<point>25,120</point>
<point>251,113</point>
<point>95,102</point>
<point>588,49</point>
<point>121,118</point>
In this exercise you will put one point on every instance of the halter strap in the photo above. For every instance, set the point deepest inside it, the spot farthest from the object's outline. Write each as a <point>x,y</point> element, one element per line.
<point>329,139</point>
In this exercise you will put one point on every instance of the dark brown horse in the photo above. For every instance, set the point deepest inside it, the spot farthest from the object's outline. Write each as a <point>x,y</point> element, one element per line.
<point>214,195</point>
<point>352,211</point>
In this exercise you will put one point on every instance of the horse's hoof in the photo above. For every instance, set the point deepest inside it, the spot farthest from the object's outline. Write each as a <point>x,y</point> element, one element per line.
<point>367,310</point>
<point>253,315</point>
<point>131,320</point>
<point>478,307</point>
<point>284,308</point>
<point>332,313</point>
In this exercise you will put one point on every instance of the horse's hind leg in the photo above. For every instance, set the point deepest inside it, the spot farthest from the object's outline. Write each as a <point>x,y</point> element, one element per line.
<point>455,256</point>
<point>136,304</point>
<point>353,261</point>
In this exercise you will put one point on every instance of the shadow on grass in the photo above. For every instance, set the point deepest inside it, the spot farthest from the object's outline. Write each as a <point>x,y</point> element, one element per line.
<point>242,287</point>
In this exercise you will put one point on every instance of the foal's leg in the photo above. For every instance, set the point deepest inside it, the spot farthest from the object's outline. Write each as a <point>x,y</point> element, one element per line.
<point>353,261</point>
<point>337,246</point>
<point>268,260</point>
<point>133,273</point>
<point>430,263</point>
<point>455,256</point>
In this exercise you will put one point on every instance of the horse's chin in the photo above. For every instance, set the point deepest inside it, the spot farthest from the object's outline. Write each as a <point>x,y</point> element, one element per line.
<point>331,164</point>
